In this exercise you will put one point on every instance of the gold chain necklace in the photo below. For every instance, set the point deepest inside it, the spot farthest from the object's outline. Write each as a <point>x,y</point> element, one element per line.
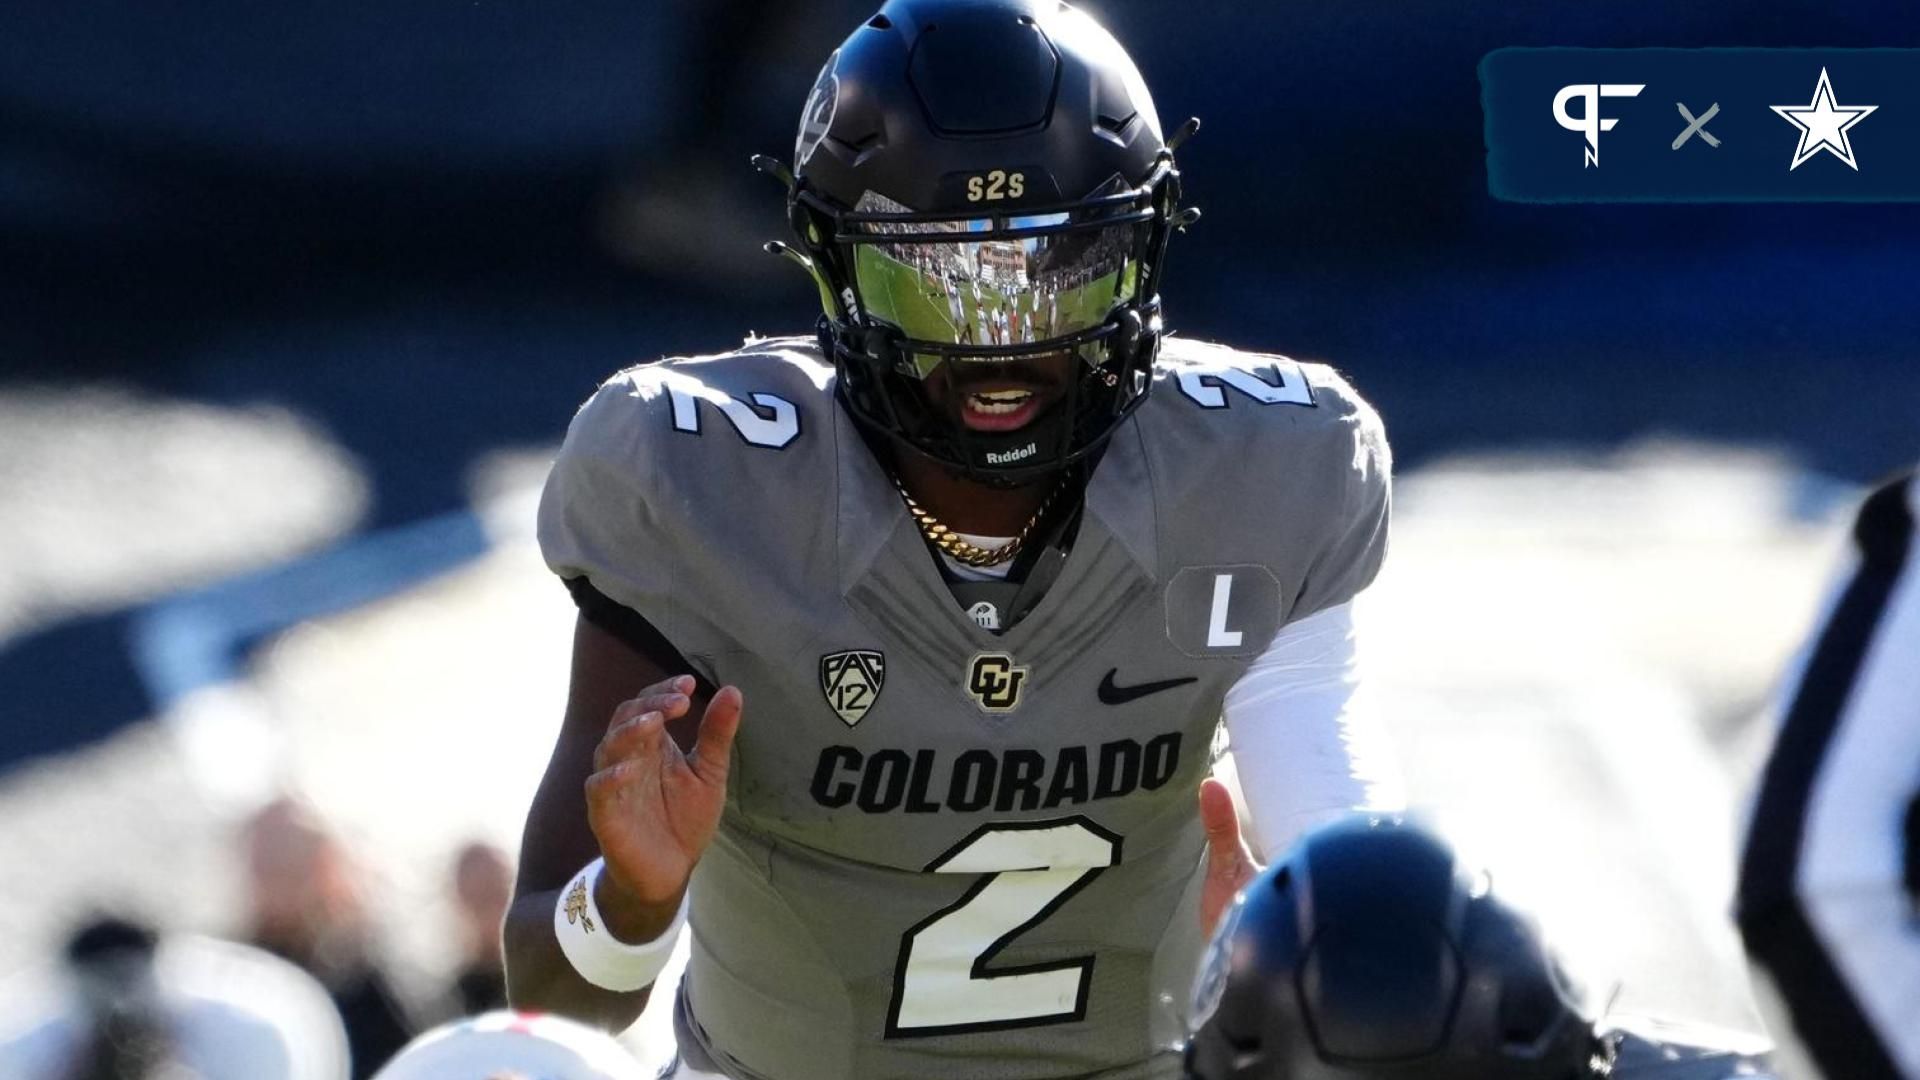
<point>970,554</point>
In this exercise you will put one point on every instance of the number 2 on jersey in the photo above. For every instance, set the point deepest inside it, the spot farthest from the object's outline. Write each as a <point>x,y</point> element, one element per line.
<point>942,984</point>
<point>773,431</point>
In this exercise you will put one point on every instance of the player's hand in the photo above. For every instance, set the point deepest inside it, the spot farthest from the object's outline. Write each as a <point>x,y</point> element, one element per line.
<point>653,808</point>
<point>1230,862</point>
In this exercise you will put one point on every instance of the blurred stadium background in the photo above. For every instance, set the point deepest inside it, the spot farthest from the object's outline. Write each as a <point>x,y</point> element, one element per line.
<point>295,303</point>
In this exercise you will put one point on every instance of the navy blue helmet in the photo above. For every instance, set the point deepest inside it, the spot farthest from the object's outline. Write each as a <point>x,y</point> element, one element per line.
<point>1367,953</point>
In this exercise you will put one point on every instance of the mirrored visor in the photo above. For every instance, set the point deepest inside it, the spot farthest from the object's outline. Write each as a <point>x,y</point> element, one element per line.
<point>936,286</point>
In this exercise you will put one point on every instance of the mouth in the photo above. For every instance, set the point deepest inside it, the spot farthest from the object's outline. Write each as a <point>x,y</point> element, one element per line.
<point>1000,407</point>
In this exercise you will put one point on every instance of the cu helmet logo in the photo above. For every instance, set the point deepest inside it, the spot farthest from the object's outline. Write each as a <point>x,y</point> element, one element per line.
<point>994,682</point>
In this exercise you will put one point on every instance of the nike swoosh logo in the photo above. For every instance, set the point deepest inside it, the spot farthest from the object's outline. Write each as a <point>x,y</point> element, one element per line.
<point>1120,695</point>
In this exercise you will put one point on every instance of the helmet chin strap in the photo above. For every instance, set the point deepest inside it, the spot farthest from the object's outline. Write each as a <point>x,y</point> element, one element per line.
<point>999,479</point>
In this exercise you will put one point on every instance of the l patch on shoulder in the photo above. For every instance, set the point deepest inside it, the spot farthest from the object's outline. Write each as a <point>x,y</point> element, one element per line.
<point>851,679</point>
<point>1223,610</point>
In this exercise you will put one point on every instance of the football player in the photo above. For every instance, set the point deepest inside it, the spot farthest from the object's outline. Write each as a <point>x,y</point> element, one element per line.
<point>987,557</point>
<point>1829,902</point>
<point>1368,954</point>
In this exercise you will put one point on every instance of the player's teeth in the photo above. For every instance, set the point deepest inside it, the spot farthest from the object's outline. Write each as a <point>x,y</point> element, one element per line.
<point>998,401</point>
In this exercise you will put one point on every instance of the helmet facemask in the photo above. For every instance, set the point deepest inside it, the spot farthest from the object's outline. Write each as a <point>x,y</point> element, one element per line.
<point>1039,300</point>
<point>924,307</point>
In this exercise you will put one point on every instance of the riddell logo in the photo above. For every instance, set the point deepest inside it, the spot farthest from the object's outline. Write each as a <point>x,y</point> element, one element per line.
<point>1012,456</point>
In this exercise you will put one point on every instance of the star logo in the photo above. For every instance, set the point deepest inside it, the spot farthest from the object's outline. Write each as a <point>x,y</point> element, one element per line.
<point>1823,125</point>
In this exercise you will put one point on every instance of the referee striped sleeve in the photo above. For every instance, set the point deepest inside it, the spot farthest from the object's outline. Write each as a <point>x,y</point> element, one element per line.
<point>1851,712</point>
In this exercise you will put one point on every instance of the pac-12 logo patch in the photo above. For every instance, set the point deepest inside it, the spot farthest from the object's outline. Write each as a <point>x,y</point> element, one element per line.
<point>994,682</point>
<point>852,679</point>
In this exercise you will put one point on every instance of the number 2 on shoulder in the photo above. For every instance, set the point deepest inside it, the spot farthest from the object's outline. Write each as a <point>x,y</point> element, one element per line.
<point>770,421</point>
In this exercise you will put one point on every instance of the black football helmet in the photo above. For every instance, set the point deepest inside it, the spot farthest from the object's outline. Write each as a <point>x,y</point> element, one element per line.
<point>984,182</point>
<point>1367,954</point>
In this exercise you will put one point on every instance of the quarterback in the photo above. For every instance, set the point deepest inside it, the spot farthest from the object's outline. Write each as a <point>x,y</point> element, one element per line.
<point>902,646</point>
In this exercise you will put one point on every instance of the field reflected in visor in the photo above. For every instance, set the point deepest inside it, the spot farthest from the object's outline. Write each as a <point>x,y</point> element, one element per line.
<point>1016,291</point>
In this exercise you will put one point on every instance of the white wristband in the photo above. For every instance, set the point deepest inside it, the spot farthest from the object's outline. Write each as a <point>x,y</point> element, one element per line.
<point>591,948</point>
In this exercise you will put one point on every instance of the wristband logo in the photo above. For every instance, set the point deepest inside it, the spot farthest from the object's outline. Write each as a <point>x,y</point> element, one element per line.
<point>577,906</point>
<point>1590,123</point>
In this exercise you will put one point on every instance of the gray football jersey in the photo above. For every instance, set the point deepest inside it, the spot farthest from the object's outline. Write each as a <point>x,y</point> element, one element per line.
<point>949,852</point>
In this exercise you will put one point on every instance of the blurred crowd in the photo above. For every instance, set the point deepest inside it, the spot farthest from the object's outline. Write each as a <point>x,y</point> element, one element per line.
<point>302,991</point>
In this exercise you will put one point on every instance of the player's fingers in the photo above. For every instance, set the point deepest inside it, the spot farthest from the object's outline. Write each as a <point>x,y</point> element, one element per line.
<point>1228,858</point>
<point>668,696</point>
<point>626,711</point>
<point>614,792</point>
<point>717,728</point>
<point>636,738</point>
<point>1221,822</point>
<point>1230,863</point>
<point>605,783</point>
<point>670,702</point>
<point>672,684</point>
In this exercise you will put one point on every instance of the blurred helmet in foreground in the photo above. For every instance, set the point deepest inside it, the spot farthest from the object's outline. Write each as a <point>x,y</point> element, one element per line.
<point>1368,954</point>
<point>508,1045</point>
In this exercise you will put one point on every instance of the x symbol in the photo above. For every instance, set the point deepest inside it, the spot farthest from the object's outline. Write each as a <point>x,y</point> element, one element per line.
<point>1697,127</point>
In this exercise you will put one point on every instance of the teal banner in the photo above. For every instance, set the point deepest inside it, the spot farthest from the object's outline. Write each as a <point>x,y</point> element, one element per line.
<point>1702,125</point>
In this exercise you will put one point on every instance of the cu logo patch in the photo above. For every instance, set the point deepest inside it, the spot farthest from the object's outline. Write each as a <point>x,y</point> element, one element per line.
<point>851,679</point>
<point>994,682</point>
